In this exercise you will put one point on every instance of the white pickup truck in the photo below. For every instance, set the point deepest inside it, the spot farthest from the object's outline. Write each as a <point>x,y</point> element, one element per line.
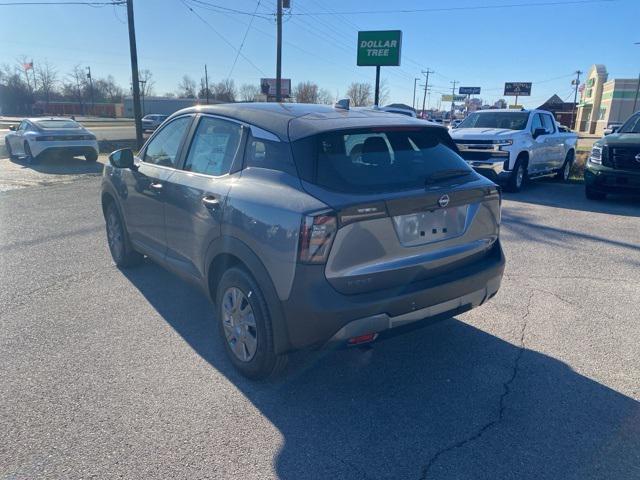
<point>510,146</point>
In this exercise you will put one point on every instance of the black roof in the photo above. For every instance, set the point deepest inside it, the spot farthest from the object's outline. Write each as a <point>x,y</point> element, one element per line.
<point>292,121</point>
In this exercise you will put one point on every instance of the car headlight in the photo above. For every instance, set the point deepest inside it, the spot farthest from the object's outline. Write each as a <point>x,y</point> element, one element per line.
<point>596,155</point>
<point>503,142</point>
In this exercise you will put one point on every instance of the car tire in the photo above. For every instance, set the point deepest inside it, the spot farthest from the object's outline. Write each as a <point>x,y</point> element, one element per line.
<point>564,172</point>
<point>91,157</point>
<point>245,326</point>
<point>123,254</point>
<point>593,194</point>
<point>28,156</point>
<point>518,176</point>
<point>7,147</point>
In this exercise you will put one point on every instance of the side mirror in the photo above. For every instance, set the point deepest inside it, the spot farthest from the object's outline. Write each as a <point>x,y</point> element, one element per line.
<point>12,128</point>
<point>122,158</point>
<point>538,132</point>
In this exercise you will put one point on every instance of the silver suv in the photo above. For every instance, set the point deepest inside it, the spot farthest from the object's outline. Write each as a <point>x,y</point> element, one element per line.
<point>307,224</point>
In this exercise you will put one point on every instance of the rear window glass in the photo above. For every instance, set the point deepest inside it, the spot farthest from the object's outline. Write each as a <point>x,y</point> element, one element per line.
<point>378,160</point>
<point>57,124</point>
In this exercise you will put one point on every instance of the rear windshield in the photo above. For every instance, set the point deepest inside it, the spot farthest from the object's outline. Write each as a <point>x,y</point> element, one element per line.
<point>379,159</point>
<point>57,124</point>
<point>508,120</point>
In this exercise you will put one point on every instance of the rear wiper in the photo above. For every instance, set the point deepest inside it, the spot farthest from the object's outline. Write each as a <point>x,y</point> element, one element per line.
<point>445,174</point>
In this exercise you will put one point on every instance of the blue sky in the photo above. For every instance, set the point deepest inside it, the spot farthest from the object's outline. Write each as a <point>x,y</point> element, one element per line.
<point>478,47</point>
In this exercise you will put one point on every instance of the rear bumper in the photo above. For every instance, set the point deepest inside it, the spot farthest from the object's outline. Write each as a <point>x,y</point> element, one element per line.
<point>611,180</point>
<point>77,148</point>
<point>315,313</point>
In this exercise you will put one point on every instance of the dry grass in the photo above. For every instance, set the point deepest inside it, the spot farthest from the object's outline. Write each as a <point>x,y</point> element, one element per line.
<point>577,171</point>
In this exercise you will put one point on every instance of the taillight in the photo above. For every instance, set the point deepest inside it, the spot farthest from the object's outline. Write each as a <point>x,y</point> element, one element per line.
<point>316,236</point>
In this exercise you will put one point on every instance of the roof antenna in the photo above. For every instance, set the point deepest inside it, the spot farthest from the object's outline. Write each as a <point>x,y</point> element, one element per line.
<point>342,104</point>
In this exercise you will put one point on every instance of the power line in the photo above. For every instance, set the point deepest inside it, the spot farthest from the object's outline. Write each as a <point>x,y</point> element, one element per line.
<point>453,9</point>
<point>222,37</point>
<point>235,60</point>
<point>86,4</point>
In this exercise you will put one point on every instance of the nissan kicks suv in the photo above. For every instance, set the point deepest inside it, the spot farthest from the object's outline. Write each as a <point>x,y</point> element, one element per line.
<point>307,225</point>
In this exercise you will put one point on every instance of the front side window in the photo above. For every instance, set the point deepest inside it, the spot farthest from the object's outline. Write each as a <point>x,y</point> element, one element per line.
<point>536,123</point>
<point>163,148</point>
<point>508,120</point>
<point>631,126</point>
<point>214,146</point>
<point>23,126</point>
<point>547,122</point>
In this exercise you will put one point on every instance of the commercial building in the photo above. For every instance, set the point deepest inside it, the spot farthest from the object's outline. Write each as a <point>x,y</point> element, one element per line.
<point>159,105</point>
<point>562,111</point>
<point>605,101</point>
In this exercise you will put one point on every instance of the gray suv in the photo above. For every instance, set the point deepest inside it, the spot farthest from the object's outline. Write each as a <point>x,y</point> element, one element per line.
<point>306,224</point>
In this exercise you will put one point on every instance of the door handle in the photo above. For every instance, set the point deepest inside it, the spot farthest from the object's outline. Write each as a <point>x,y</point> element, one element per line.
<point>212,203</point>
<point>156,185</point>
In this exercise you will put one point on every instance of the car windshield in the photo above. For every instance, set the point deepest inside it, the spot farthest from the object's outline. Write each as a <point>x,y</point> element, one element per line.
<point>57,124</point>
<point>631,126</point>
<point>379,159</point>
<point>508,120</point>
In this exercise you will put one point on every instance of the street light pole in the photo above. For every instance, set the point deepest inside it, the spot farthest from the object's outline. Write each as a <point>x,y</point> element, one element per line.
<point>635,100</point>
<point>575,99</point>
<point>279,52</point>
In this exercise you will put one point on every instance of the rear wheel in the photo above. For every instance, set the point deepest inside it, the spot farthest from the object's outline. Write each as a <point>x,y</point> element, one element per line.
<point>563,173</point>
<point>28,156</point>
<point>593,194</point>
<point>91,157</point>
<point>245,325</point>
<point>7,146</point>
<point>518,176</point>
<point>119,245</point>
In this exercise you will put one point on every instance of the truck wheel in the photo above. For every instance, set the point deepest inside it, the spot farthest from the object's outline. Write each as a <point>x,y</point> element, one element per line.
<point>593,194</point>
<point>563,173</point>
<point>245,325</point>
<point>518,176</point>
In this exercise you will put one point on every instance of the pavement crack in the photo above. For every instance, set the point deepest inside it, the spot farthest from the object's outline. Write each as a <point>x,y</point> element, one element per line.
<point>501,404</point>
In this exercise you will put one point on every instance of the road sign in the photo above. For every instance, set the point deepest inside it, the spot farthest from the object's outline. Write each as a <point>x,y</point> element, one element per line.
<point>379,48</point>
<point>516,107</point>
<point>517,89</point>
<point>268,87</point>
<point>469,90</point>
<point>453,98</point>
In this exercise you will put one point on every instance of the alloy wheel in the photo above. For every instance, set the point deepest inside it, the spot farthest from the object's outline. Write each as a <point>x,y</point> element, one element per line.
<point>239,324</point>
<point>114,235</point>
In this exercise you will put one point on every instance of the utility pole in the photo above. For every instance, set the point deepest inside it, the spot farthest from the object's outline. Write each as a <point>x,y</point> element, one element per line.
<point>415,82</point>
<point>135,82</point>
<point>279,53</point>
<point>91,89</point>
<point>635,100</point>
<point>453,97</point>
<point>376,100</point>
<point>143,83</point>
<point>576,84</point>
<point>206,82</point>
<point>426,86</point>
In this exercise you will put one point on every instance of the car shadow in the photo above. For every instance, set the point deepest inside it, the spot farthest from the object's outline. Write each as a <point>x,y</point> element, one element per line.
<point>571,196</point>
<point>446,401</point>
<point>61,165</point>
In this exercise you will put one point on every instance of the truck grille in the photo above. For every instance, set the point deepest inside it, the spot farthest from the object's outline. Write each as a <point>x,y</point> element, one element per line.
<point>624,158</point>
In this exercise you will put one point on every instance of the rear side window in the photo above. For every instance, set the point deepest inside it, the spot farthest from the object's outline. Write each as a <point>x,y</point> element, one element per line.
<point>378,160</point>
<point>214,146</point>
<point>270,154</point>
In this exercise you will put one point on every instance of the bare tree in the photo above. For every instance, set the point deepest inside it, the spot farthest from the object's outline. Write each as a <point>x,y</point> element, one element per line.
<point>205,91</point>
<point>225,91</point>
<point>187,87</point>
<point>360,94</point>
<point>306,92</point>
<point>75,85</point>
<point>15,95</point>
<point>325,96</point>
<point>47,80</point>
<point>108,89</point>
<point>146,82</point>
<point>384,92</point>
<point>249,93</point>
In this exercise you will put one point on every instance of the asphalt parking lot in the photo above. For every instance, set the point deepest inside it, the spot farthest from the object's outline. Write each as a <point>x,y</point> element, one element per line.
<point>120,374</point>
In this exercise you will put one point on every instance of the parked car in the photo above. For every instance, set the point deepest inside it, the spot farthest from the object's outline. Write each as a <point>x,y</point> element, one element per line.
<point>152,121</point>
<point>34,137</point>
<point>614,163</point>
<point>511,146</point>
<point>409,112</point>
<point>305,224</point>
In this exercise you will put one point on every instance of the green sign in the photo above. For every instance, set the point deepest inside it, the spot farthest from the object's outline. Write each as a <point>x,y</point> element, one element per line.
<point>453,98</point>
<point>379,48</point>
